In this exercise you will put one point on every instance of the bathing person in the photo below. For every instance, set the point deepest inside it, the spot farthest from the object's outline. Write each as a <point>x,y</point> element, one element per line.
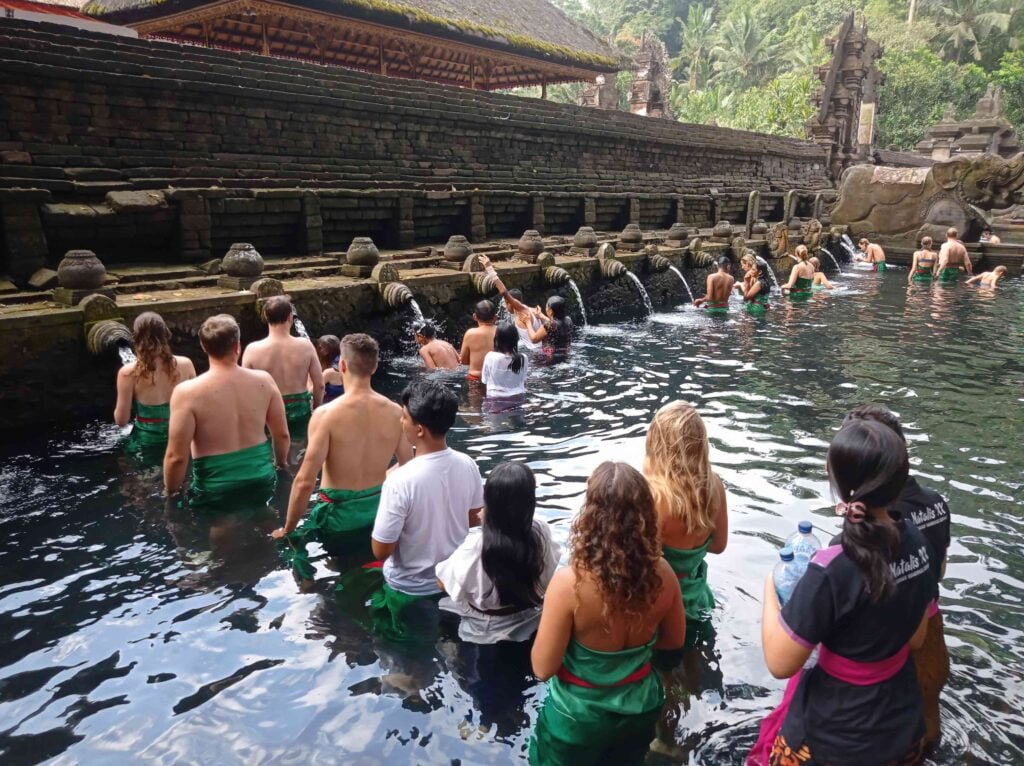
<point>291,361</point>
<point>864,604</point>
<point>988,278</point>
<point>603,615</point>
<point>556,328</point>
<point>426,506</point>
<point>801,278</point>
<point>923,264</point>
<point>222,417</point>
<point>328,348</point>
<point>820,280</point>
<point>478,341</point>
<point>505,368</point>
<point>756,288</point>
<point>495,580</point>
<point>988,238</point>
<point>144,386</point>
<point>353,441</point>
<point>527,320</point>
<point>873,254</point>
<point>747,263</point>
<point>719,286</point>
<point>690,501</point>
<point>929,511</point>
<point>953,258</point>
<point>437,354</point>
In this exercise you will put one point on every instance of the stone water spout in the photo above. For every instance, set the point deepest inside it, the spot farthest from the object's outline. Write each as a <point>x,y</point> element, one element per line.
<point>485,283</point>
<point>699,258</point>
<point>107,336</point>
<point>611,268</point>
<point>659,262</point>
<point>556,276</point>
<point>395,294</point>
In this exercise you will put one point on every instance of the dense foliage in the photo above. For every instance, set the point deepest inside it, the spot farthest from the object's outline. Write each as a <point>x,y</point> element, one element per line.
<point>750,63</point>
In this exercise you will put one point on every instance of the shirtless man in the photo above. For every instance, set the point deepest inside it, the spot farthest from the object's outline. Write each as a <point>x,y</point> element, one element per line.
<point>292,363</point>
<point>988,238</point>
<point>953,258</point>
<point>479,340</point>
<point>989,278</point>
<point>437,354</point>
<point>873,254</point>
<point>718,289</point>
<point>220,418</point>
<point>354,441</point>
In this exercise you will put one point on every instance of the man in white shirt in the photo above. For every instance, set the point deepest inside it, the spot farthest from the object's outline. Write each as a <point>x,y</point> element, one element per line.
<point>427,505</point>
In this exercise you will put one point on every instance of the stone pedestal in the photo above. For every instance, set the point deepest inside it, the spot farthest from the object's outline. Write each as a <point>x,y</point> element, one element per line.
<point>69,296</point>
<point>236,283</point>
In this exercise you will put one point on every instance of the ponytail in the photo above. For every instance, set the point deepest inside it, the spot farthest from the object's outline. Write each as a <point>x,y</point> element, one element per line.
<point>517,362</point>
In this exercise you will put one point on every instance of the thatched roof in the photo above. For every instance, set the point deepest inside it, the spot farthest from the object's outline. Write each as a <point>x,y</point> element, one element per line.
<point>534,28</point>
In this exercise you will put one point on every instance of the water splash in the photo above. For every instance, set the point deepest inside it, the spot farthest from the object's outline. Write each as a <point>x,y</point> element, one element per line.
<point>847,244</point>
<point>682,279</point>
<point>126,354</point>
<point>771,272</point>
<point>301,329</point>
<point>579,300</point>
<point>417,313</point>
<point>648,306</point>
<point>836,262</point>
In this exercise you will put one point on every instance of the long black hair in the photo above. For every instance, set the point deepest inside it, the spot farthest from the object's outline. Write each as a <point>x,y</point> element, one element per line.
<point>513,551</point>
<point>559,324</point>
<point>506,341</point>
<point>867,463</point>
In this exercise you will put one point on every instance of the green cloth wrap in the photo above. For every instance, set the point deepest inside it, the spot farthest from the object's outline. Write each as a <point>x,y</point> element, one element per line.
<point>758,305</point>
<point>717,311</point>
<point>691,567</point>
<point>922,275</point>
<point>151,423</point>
<point>341,523</point>
<point>609,725</point>
<point>389,613</point>
<point>880,267</point>
<point>949,274</point>
<point>297,409</point>
<point>233,480</point>
<point>801,288</point>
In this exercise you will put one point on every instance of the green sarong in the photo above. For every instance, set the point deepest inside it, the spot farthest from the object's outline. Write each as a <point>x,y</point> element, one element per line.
<point>801,289</point>
<point>880,267</point>
<point>151,422</point>
<point>298,408</point>
<point>340,520</point>
<point>691,568</point>
<point>758,306</point>
<point>922,274</point>
<point>396,616</point>
<point>949,274</point>
<point>233,481</point>
<point>717,309</point>
<point>601,708</point>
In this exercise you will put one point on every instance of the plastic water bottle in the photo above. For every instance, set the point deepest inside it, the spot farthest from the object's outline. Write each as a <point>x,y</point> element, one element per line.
<point>804,544</point>
<point>786,575</point>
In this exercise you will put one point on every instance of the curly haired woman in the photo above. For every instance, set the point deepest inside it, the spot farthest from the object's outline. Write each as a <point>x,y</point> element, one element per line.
<point>604,614</point>
<point>144,386</point>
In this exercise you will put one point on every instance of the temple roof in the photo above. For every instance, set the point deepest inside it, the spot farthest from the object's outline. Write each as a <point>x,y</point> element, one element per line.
<point>533,29</point>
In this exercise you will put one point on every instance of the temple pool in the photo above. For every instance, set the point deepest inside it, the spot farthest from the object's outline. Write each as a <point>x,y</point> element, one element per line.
<point>124,640</point>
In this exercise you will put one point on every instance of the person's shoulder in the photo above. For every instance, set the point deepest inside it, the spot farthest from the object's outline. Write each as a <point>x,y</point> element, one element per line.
<point>127,370</point>
<point>261,378</point>
<point>463,459</point>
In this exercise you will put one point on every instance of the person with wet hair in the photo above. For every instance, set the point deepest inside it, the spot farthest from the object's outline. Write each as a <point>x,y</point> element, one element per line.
<point>555,330</point>
<point>603,616</point>
<point>436,354</point>
<point>801,278</point>
<point>922,265</point>
<point>478,341</point>
<point>927,509</point>
<point>953,258</point>
<point>719,287</point>
<point>989,279</point>
<point>505,368</point>
<point>872,253</point>
<point>756,290</point>
<point>527,320</point>
<point>495,580</point>
<point>144,386</point>
<point>863,603</point>
<point>328,351</point>
<point>821,282</point>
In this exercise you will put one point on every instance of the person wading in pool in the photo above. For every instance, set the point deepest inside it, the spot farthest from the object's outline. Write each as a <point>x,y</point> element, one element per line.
<point>353,441</point>
<point>953,258</point>
<point>801,278</point>
<point>988,278</point>
<point>923,264</point>
<point>222,417</point>
<point>719,287</point>
<point>478,341</point>
<point>872,253</point>
<point>436,354</point>
<point>292,362</point>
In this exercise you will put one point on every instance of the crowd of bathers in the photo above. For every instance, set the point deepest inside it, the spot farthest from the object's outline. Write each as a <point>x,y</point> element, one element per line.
<point>378,488</point>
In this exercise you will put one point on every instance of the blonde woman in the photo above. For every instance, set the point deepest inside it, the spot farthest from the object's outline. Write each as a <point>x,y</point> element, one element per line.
<point>690,502</point>
<point>801,278</point>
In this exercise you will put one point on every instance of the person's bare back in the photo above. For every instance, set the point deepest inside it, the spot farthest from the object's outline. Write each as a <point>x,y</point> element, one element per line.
<point>476,344</point>
<point>719,287</point>
<point>363,430</point>
<point>440,354</point>
<point>290,361</point>
<point>952,254</point>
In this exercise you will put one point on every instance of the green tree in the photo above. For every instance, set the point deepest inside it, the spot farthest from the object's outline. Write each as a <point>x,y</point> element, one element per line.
<point>1010,77</point>
<point>695,44</point>
<point>964,25</point>
<point>745,54</point>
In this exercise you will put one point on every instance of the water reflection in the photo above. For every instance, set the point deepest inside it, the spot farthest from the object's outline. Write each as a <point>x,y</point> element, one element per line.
<point>130,632</point>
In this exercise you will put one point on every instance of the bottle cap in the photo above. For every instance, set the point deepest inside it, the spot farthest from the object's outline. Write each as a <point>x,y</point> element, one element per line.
<point>805,527</point>
<point>786,554</point>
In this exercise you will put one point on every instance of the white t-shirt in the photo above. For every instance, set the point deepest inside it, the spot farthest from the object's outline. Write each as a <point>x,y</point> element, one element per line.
<point>424,508</point>
<point>499,379</point>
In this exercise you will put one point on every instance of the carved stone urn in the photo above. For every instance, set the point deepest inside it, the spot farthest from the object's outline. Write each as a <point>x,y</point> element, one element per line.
<point>242,260</point>
<point>531,244</point>
<point>585,239</point>
<point>81,270</point>
<point>759,228</point>
<point>631,237</point>
<point>458,249</point>
<point>362,252</point>
<point>722,230</point>
<point>677,233</point>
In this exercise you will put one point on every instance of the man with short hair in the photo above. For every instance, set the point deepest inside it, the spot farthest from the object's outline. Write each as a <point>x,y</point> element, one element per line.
<point>479,340</point>
<point>719,287</point>
<point>220,418</point>
<point>292,363</point>
<point>873,254</point>
<point>428,505</point>
<point>354,441</point>
<point>437,354</point>
<point>953,258</point>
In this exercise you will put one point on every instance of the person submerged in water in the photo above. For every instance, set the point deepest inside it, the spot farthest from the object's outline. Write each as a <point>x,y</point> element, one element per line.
<point>756,288</point>
<point>922,265</point>
<point>144,386</point>
<point>221,418</point>
<point>436,354</point>
<point>872,253</point>
<point>291,361</point>
<point>988,278</point>
<point>820,280</point>
<point>353,442</point>
<point>801,277</point>
<point>478,341</point>
<point>328,347</point>
<point>988,238</point>
<point>505,368</point>
<point>864,604</point>
<point>690,501</point>
<point>603,616</point>
<point>719,287</point>
<point>953,258</point>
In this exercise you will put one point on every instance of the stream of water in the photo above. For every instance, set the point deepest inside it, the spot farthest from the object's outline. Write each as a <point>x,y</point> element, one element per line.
<point>126,639</point>
<point>126,355</point>
<point>579,300</point>
<point>836,262</point>
<point>682,279</point>
<point>648,306</point>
